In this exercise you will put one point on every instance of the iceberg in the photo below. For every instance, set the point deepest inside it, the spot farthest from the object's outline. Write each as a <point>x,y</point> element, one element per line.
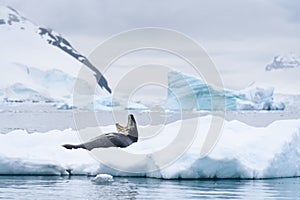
<point>108,103</point>
<point>284,62</point>
<point>102,179</point>
<point>56,86</point>
<point>63,106</point>
<point>187,92</point>
<point>242,151</point>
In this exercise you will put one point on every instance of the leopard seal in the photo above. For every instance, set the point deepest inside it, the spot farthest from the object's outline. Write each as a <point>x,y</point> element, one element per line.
<point>125,136</point>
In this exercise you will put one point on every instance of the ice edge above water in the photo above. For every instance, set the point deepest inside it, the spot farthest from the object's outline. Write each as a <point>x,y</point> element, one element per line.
<point>242,152</point>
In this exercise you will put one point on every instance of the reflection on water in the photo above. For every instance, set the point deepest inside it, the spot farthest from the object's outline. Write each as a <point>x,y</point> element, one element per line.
<point>48,187</point>
<point>39,117</point>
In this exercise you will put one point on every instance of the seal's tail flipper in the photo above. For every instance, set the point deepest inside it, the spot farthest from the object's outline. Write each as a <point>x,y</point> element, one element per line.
<point>71,146</point>
<point>68,146</point>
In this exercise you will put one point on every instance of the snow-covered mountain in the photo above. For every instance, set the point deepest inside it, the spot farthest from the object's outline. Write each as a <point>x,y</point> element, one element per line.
<point>284,62</point>
<point>26,43</point>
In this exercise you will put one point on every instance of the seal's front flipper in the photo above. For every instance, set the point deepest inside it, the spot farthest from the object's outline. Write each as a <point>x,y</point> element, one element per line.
<point>121,129</point>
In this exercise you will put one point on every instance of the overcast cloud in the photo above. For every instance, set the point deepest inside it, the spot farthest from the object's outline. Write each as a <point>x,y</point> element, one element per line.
<point>231,19</point>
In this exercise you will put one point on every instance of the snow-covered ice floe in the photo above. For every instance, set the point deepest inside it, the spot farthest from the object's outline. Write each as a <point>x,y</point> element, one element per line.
<point>242,152</point>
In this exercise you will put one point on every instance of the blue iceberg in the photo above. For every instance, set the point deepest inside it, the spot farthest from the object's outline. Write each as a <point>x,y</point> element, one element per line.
<point>186,92</point>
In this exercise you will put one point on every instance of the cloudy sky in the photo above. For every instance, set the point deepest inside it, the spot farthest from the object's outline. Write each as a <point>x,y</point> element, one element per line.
<point>238,35</point>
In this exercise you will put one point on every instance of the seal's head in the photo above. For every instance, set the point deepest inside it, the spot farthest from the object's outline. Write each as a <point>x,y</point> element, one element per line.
<point>131,120</point>
<point>132,127</point>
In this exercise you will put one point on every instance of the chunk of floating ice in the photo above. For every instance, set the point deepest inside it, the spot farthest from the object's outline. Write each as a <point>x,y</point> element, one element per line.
<point>103,178</point>
<point>242,151</point>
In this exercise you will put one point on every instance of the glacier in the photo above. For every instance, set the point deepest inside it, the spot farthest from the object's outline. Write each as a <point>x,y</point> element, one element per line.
<point>56,87</point>
<point>36,85</point>
<point>242,152</point>
<point>183,88</point>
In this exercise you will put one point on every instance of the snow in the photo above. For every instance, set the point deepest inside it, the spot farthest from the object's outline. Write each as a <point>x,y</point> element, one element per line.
<point>40,154</point>
<point>27,47</point>
<point>242,152</point>
<point>34,70</point>
<point>14,23</point>
<point>25,43</point>
<point>189,93</point>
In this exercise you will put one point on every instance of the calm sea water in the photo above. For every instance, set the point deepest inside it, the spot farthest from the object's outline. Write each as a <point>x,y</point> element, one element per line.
<point>76,187</point>
<point>43,117</point>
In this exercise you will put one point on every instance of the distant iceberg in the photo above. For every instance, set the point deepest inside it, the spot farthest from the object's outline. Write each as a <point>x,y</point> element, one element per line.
<point>108,103</point>
<point>284,62</point>
<point>184,91</point>
<point>191,93</point>
<point>64,106</point>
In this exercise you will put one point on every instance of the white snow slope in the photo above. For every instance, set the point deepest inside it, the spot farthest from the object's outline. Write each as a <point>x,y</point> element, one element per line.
<point>33,47</point>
